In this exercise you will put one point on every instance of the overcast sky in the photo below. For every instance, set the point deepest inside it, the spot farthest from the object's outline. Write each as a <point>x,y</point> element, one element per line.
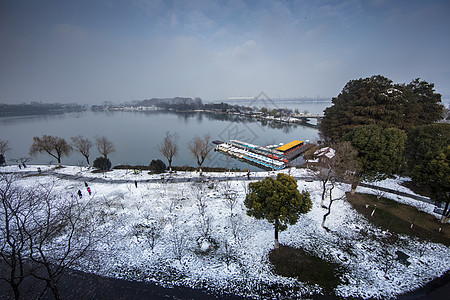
<point>90,51</point>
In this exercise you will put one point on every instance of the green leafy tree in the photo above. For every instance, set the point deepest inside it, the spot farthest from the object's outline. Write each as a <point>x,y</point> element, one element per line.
<point>52,145</point>
<point>424,143</point>
<point>439,181</point>
<point>376,100</point>
<point>380,151</point>
<point>427,154</point>
<point>278,201</point>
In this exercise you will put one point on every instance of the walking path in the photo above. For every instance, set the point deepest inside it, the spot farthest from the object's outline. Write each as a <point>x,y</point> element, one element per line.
<point>168,178</point>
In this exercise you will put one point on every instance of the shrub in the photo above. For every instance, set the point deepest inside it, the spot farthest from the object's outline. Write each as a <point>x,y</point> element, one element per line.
<point>102,163</point>
<point>157,166</point>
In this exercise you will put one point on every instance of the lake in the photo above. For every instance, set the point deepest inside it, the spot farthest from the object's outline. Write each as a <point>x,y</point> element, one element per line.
<point>136,135</point>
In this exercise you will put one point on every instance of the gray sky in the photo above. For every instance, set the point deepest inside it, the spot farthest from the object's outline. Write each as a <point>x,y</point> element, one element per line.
<point>90,51</point>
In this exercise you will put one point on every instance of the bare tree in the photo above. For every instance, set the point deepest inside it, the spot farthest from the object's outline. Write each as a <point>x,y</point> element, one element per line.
<point>150,230</point>
<point>4,147</point>
<point>204,221</point>
<point>22,160</point>
<point>228,253</point>
<point>341,166</point>
<point>331,202</point>
<point>236,226</point>
<point>230,195</point>
<point>244,185</point>
<point>48,233</point>
<point>104,146</point>
<point>169,147</point>
<point>200,149</point>
<point>178,241</point>
<point>52,145</point>
<point>386,260</point>
<point>14,211</point>
<point>204,225</point>
<point>199,192</point>
<point>83,146</point>
<point>60,233</point>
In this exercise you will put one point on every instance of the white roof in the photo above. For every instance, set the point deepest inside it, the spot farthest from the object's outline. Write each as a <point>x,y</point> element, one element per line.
<point>326,151</point>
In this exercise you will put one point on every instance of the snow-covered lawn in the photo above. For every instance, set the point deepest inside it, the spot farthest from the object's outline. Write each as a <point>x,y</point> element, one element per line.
<point>235,257</point>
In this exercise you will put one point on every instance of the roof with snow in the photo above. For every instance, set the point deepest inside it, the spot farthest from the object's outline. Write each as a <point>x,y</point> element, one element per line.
<point>326,151</point>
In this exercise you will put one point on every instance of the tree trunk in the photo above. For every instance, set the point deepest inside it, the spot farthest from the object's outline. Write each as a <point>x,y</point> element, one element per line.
<point>354,186</point>
<point>54,289</point>
<point>87,160</point>
<point>445,212</point>
<point>59,161</point>
<point>277,244</point>
<point>328,213</point>
<point>324,192</point>
<point>16,292</point>
<point>170,165</point>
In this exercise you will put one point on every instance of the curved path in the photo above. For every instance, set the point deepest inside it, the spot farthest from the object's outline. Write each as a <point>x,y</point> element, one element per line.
<point>176,179</point>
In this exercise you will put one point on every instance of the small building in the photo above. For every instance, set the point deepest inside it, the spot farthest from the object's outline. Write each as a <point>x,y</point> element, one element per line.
<point>324,155</point>
<point>289,147</point>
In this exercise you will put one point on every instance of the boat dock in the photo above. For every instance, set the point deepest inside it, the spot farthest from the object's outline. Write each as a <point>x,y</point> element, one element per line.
<point>263,157</point>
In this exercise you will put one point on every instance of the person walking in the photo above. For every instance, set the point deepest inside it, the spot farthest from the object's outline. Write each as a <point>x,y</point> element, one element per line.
<point>79,194</point>
<point>135,183</point>
<point>89,190</point>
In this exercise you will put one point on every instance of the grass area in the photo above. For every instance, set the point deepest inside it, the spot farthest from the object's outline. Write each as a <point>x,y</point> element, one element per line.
<point>397,218</point>
<point>291,262</point>
<point>389,215</point>
<point>422,190</point>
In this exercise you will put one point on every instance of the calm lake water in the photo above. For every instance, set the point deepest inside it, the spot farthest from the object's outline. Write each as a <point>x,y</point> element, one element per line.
<point>137,134</point>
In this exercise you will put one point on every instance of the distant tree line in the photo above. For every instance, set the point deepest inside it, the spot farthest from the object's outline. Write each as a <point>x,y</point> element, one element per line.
<point>180,104</point>
<point>37,108</point>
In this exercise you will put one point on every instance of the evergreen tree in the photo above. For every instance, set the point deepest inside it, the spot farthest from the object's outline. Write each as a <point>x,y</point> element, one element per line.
<point>430,108</point>
<point>157,166</point>
<point>427,154</point>
<point>423,144</point>
<point>380,151</point>
<point>102,163</point>
<point>376,100</point>
<point>439,180</point>
<point>278,201</point>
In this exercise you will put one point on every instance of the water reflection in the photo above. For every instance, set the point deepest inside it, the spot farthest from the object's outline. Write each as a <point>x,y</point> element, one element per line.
<point>137,134</point>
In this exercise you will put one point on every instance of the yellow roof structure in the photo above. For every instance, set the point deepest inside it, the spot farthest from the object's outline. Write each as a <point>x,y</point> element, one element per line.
<point>290,145</point>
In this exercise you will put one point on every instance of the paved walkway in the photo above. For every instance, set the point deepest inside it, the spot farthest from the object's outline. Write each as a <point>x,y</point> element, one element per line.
<point>167,178</point>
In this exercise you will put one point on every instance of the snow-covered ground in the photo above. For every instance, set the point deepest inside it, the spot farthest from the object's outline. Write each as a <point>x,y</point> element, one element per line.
<point>235,256</point>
